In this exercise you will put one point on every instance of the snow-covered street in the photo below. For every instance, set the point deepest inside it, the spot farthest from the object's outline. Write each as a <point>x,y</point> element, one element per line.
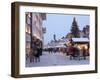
<point>55,59</point>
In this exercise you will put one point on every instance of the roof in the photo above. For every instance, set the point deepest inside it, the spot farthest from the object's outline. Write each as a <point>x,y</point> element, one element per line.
<point>80,39</point>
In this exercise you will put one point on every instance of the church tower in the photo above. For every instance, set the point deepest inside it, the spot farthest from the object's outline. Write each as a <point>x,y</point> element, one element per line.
<point>75,29</point>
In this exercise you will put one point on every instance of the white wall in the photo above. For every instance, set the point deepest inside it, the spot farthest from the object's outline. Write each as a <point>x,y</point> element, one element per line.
<point>5,40</point>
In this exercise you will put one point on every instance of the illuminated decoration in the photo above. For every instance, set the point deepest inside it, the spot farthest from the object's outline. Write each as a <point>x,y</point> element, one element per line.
<point>81,42</point>
<point>80,46</point>
<point>68,43</point>
<point>27,29</point>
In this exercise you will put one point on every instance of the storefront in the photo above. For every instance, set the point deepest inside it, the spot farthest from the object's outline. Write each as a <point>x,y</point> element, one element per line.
<point>81,42</point>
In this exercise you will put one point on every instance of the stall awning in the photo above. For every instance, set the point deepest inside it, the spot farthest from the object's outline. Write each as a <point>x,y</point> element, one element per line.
<point>80,39</point>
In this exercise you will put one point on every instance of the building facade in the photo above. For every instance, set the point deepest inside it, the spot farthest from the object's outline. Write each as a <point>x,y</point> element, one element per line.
<point>34,28</point>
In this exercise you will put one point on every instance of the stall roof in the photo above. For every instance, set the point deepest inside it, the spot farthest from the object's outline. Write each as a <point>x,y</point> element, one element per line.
<point>80,39</point>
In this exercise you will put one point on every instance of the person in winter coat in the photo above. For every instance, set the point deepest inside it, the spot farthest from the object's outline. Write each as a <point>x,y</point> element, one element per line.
<point>84,53</point>
<point>38,51</point>
<point>71,52</point>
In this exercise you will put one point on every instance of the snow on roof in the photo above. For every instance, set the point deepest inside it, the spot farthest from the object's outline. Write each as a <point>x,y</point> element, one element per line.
<point>80,39</point>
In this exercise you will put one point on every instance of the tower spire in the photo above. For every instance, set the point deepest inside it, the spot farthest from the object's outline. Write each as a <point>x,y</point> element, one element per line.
<point>74,28</point>
<point>74,23</point>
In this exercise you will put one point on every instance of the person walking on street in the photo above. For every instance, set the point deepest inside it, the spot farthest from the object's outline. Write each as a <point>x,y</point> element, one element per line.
<point>84,53</point>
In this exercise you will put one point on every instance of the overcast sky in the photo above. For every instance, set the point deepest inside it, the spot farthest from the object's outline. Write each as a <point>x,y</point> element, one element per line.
<point>60,25</point>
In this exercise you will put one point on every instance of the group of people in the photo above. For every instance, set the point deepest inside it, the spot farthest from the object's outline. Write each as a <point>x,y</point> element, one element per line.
<point>52,50</point>
<point>73,51</point>
<point>35,51</point>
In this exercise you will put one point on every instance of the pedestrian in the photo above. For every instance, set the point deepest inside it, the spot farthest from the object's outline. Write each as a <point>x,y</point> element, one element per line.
<point>77,53</point>
<point>84,53</point>
<point>38,51</point>
<point>38,54</point>
<point>31,55</point>
<point>71,52</point>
